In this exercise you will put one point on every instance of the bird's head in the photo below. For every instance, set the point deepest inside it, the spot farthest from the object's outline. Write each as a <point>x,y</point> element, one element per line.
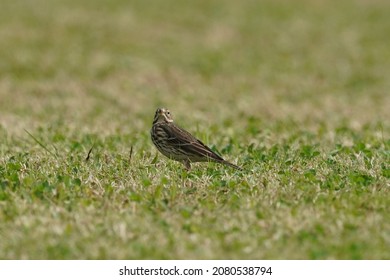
<point>162,115</point>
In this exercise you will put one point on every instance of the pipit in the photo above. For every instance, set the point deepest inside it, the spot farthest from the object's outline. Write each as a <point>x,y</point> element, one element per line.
<point>178,144</point>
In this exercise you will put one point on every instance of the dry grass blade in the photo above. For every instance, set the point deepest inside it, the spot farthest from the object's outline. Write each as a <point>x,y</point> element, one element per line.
<point>89,152</point>
<point>40,143</point>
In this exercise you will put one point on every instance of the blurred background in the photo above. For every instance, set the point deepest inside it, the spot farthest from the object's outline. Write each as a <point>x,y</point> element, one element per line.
<point>104,66</point>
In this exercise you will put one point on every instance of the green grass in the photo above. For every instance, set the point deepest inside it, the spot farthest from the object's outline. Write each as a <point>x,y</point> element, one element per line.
<point>296,92</point>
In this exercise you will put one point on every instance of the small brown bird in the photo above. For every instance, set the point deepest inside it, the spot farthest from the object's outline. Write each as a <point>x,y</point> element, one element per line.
<point>178,144</point>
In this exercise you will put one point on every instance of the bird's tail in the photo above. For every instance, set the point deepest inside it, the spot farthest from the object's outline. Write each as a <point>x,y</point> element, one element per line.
<point>231,165</point>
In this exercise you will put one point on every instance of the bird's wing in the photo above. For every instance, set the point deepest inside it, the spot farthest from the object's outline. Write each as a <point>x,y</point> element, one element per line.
<point>183,140</point>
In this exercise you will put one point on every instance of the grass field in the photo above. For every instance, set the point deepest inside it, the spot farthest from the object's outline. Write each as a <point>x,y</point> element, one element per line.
<point>295,92</point>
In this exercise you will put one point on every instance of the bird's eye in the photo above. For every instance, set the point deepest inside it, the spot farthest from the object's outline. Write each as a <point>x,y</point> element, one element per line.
<point>168,113</point>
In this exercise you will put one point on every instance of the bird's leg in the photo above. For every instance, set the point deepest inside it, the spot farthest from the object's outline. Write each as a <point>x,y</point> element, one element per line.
<point>187,164</point>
